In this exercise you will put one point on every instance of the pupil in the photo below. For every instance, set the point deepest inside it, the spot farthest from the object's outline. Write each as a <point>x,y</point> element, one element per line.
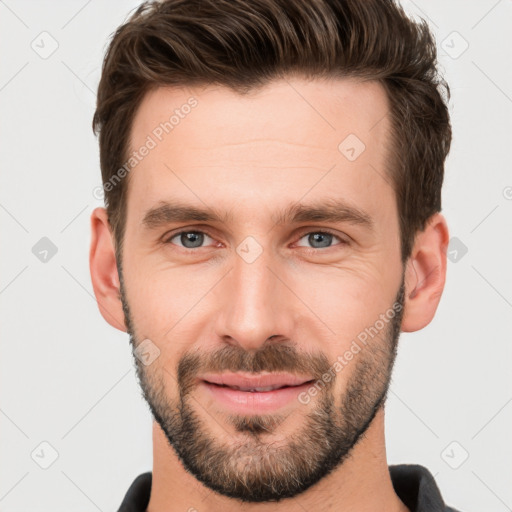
<point>192,239</point>
<point>324,239</point>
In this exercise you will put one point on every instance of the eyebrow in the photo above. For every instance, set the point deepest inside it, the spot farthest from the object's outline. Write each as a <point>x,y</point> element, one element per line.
<point>326,210</point>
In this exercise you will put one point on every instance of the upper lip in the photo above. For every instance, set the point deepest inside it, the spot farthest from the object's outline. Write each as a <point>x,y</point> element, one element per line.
<point>251,381</point>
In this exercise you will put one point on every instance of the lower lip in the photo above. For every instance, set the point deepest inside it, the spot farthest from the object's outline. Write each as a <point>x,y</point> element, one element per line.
<point>255,401</point>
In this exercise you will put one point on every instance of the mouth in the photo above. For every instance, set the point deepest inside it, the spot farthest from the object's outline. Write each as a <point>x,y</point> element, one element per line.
<point>249,389</point>
<point>260,382</point>
<point>249,393</point>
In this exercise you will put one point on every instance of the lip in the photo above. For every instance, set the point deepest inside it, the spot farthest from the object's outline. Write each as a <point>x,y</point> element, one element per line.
<point>286,390</point>
<point>261,380</point>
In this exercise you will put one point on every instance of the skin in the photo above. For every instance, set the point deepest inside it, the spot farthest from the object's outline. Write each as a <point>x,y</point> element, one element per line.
<point>253,156</point>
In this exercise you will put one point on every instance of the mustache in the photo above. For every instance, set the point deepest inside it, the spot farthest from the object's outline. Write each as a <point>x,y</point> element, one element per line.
<point>232,358</point>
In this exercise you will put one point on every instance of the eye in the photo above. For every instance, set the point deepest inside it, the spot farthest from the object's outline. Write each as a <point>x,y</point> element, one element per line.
<point>189,239</point>
<point>195,239</point>
<point>320,239</point>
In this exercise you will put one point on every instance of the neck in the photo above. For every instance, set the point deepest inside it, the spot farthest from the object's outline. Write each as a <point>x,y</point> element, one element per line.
<point>362,483</point>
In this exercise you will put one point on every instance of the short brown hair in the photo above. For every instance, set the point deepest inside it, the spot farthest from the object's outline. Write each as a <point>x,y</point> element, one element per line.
<point>244,44</point>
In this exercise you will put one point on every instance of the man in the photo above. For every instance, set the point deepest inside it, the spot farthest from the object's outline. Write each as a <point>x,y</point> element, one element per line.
<point>272,173</point>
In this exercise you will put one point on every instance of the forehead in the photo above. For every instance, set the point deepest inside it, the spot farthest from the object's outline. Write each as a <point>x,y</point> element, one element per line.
<point>290,139</point>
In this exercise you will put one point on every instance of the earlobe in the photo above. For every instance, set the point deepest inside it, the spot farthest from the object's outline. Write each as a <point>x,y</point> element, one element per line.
<point>103,268</point>
<point>425,274</point>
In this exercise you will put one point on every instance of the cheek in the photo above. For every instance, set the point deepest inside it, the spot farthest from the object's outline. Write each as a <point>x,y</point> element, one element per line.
<point>160,294</point>
<point>163,302</point>
<point>347,298</point>
<point>168,302</point>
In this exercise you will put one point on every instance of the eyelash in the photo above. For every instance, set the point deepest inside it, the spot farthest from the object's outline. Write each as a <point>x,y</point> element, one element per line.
<point>168,238</point>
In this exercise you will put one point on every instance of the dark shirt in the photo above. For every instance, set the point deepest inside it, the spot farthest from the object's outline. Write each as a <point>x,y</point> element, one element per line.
<point>413,484</point>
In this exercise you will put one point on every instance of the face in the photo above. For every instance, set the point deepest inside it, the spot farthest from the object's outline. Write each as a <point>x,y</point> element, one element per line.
<point>262,251</point>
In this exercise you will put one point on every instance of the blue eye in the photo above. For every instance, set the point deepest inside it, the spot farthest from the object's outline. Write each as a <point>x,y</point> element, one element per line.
<point>196,239</point>
<point>320,239</point>
<point>190,239</point>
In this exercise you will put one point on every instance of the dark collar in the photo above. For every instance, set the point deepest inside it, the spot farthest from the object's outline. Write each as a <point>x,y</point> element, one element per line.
<point>416,487</point>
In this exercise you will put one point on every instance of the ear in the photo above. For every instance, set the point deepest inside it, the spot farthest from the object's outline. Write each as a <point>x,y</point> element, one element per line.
<point>103,267</point>
<point>425,274</point>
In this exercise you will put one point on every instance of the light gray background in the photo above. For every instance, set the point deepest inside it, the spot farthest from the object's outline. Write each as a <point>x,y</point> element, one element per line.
<point>67,377</point>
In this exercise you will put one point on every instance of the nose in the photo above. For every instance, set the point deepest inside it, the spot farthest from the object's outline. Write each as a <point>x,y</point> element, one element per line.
<point>255,305</point>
